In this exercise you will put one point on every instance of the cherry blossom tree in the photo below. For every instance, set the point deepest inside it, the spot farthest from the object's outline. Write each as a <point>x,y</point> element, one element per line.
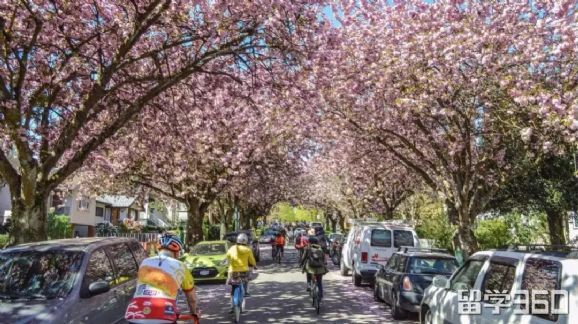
<point>73,73</point>
<point>450,88</point>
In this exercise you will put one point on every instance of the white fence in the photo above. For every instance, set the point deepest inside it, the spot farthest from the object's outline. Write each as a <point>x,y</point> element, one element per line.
<point>141,237</point>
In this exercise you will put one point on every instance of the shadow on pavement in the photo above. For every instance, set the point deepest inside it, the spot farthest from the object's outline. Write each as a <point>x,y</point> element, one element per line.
<point>279,296</point>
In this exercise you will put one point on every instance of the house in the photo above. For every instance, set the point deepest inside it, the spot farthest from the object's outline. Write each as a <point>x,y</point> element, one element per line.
<point>79,208</point>
<point>5,203</point>
<point>121,207</point>
<point>573,227</point>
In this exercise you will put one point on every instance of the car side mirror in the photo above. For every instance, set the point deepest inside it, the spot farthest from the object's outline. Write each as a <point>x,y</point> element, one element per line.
<point>98,287</point>
<point>441,282</point>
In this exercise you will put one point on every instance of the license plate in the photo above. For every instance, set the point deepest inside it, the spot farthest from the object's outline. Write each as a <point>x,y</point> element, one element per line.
<point>204,272</point>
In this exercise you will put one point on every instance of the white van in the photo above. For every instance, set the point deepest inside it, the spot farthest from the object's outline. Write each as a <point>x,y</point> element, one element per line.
<point>370,245</point>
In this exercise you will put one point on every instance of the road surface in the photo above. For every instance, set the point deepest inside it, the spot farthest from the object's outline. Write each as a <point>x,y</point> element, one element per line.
<point>279,296</point>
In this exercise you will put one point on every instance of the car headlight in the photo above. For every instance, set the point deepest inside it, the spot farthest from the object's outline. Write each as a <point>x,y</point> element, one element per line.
<point>224,262</point>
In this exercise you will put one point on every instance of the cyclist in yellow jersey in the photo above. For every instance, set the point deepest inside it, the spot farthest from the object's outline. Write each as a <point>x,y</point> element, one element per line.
<point>159,280</point>
<point>240,258</point>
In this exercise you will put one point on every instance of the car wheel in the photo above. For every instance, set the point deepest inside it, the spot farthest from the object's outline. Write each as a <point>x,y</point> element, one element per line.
<point>343,269</point>
<point>426,316</point>
<point>355,278</point>
<point>376,293</point>
<point>396,312</point>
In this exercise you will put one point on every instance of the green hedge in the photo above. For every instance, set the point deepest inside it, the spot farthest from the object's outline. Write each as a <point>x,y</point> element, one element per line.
<point>59,226</point>
<point>3,240</point>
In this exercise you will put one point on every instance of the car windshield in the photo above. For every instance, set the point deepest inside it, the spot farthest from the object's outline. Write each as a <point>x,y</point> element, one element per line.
<point>270,232</point>
<point>336,237</point>
<point>38,274</point>
<point>430,265</point>
<point>210,249</point>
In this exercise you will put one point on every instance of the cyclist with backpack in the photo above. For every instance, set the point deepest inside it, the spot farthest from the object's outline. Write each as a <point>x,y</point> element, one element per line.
<point>313,263</point>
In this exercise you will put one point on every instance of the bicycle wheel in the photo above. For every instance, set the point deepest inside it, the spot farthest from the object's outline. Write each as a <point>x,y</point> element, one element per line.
<point>237,313</point>
<point>314,295</point>
<point>238,300</point>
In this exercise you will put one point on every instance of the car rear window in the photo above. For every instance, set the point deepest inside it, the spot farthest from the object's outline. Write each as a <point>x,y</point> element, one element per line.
<point>381,237</point>
<point>403,238</point>
<point>540,274</point>
<point>429,265</point>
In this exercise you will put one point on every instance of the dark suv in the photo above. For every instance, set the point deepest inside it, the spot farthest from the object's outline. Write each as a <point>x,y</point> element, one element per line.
<point>88,280</point>
<point>402,281</point>
<point>232,237</point>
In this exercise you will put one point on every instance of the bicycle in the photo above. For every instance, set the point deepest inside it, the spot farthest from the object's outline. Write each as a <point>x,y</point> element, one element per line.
<point>277,255</point>
<point>238,281</point>
<point>316,300</point>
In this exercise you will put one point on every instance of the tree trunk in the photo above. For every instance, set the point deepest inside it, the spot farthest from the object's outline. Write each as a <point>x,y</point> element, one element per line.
<point>388,214</point>
<point>464,237</point>
<point>341,220</point>
<point>556,219</point>
<point>194,222</point>
<point>29,216</point>
<point>29,221</point>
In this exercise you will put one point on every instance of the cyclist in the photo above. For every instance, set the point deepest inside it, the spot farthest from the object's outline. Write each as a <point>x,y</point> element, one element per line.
<point>159,280</point>
<point>280,243</point>
<point>313,263</point>
<point>240,258</point>
<point>301,243</point>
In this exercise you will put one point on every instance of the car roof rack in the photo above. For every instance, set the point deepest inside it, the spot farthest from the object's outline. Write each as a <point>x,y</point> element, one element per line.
<point>391,222</point>
<point>406,249</point>
<point>539,248</point>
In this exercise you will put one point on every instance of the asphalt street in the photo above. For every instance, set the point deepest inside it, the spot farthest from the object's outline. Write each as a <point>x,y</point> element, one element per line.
<point>279,296</point>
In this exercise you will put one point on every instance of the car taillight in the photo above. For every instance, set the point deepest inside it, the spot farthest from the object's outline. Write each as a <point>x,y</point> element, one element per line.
<point>407,284</point>
<point>364,257</point>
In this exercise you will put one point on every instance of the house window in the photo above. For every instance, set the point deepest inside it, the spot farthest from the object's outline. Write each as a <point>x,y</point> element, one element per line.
<point>83,204</point>
<point>99,211</point>
<point>574,218</point>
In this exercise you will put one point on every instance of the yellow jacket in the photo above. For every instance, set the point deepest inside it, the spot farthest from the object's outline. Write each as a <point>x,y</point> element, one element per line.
<point>240,258</point>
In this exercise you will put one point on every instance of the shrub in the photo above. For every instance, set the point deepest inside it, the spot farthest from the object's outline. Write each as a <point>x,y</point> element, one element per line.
<point>59,226</point>
<point>3,240</point>
<point>493,233</point>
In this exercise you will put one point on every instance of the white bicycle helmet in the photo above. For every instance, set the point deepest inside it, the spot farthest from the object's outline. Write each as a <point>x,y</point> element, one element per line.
<point>242,239</point>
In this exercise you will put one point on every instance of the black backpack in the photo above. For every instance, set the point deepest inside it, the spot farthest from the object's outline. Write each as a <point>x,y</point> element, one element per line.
<point>316,257</point>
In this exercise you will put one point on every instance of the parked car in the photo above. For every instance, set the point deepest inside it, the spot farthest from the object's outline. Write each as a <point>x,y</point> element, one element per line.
<point>512,271</point>
<point>335,237</point>
<point>232,237</point>
<point>371,244</point>
<point>207,260</point>
<point>315,224</point>
<point>69,281</point>
<point>299,230</point>
<point>402,281</point>
<point>268,236</point>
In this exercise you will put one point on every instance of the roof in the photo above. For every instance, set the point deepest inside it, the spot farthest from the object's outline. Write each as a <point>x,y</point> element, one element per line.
<point>116,201</point>
<point>77,244</point>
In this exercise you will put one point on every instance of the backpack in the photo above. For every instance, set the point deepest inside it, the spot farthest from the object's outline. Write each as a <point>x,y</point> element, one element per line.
<point>316,256</point>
